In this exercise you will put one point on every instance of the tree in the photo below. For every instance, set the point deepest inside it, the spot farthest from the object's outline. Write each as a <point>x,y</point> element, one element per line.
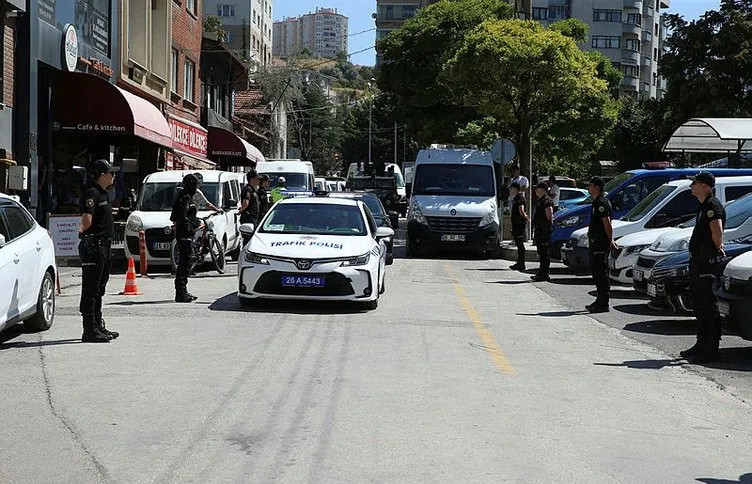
<point>537,84</point>
<point>317,129</point>
<point>413,59</point>
<point>639,133</point>
<point>213,25</point>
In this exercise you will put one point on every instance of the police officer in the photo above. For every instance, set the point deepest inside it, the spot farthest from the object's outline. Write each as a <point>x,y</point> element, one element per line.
<point>95,234</point>
<point>250,205</point>
<point>543,228</point>
<point>706,253</point>
<point>600,243</point>
<point>279,192</point>
<point>263,194</point>
<point>519,222</point>
<point>185,229</point>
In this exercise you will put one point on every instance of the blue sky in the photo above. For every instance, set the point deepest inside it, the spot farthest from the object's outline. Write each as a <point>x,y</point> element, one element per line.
<point>359,12</point>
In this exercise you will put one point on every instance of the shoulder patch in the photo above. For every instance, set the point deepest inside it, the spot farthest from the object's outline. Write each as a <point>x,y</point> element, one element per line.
<point>710,213</point>
<point>601,209</point>
<point>89,202</point>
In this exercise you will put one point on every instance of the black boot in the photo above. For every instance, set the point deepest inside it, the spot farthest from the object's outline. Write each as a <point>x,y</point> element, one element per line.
<point>540,278</point>
<point>599,306</point>
<point>183,296</point>
<point>91,333</point>
<point>693,351</point>
<point>103,328</point>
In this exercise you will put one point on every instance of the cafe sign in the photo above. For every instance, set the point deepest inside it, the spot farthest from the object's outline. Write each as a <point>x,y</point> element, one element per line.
<point>70,48</point>
<point>188,137</point>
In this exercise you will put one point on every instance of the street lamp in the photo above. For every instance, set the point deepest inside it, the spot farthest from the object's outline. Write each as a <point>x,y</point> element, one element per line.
<point>370,123</point>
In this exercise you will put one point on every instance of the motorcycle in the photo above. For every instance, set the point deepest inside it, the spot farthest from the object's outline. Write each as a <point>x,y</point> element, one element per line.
<point>204,243</point>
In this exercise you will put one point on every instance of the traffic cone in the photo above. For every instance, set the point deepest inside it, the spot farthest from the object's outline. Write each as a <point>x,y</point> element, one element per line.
<point>131,286</point>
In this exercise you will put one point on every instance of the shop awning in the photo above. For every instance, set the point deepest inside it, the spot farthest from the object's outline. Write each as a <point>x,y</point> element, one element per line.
<point>227,143</point>
<point>712,135</point>
<point>83,103</point>
<point>192,161</point>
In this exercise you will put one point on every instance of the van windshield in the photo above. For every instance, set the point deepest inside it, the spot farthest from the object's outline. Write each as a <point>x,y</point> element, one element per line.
<point>159,196</point>
<point>649,203</point>
<point>461,180</point>
<point>294,181</point>
<point>612,185</point>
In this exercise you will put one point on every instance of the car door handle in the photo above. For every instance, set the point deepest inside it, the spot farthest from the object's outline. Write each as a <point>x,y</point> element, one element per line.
<point>39,247</point>
<point>16,258</point>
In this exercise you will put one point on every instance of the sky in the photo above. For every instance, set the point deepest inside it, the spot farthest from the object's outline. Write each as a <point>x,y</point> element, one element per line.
<point>359,12</point>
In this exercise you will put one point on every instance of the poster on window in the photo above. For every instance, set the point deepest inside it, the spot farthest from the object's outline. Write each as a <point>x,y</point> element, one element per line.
<point>64,233</point>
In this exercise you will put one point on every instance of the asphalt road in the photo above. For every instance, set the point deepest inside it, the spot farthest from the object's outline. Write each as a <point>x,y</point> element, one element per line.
<point>465,373</point>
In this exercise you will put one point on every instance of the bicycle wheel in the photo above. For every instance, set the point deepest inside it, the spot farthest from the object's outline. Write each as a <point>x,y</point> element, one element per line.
<point>218,255</point>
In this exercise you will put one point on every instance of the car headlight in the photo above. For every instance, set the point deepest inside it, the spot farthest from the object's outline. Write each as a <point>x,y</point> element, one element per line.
<point>135,224</point>
<point>679,246</point>
<point>489,217</point>
<point>361,260</point>
<point>635,248</point>
<point>254,258</point>
<point>416,214</point>
<point>571,221</point>
<point>584,241</point>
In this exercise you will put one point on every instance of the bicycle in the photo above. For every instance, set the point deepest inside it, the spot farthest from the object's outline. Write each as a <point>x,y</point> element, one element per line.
<point>204,243</point>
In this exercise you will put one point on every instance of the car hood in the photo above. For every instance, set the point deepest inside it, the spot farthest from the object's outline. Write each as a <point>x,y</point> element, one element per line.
<point>732,250</point>
<point>310,246</point>
<point>454,206</point>
<point>741,267</point>
<point>664,242</point>
<point>621,228</point>
<point>644,237</point>
<point>153,220</point>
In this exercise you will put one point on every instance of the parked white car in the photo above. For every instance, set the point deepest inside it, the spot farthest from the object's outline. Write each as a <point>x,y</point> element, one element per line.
<point>27,269</point>
<point>152,214</point>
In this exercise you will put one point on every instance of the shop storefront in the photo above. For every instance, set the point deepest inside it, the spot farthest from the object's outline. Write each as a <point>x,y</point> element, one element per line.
<point>230,151</point>
<point>189,143</point>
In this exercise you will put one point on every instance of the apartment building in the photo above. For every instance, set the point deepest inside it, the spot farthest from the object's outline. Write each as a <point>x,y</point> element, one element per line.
<point>629,32</point>
<point>323,33</point>
<point>391,14</point>
<point>249,26</point>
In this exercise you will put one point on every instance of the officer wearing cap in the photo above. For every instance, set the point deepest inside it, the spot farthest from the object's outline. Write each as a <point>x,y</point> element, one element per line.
<point>706,252</point>
<point>185,229</point>
<point>95,233</point>
<point>600,242</point>
<point>249,202</point>
<point>543,228</point>
<point>263,195</point>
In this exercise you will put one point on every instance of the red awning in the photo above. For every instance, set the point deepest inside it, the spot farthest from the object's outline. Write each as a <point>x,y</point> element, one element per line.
<point>83,103</point>
<point>227,143</point>
<point>189,160</point>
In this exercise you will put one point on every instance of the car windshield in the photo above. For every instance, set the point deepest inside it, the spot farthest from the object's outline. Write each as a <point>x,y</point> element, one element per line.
<point>159,196</point>
<point>462,180</point>
<point>648,203</point>
<point>612,185</point>
<point>294,181</point>
<point>372,202</point>
<point>315,218</point>
<point>738,211</point>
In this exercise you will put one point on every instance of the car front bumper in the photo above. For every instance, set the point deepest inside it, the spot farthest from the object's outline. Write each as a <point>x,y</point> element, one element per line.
<point>157,252</point>
<point>576,258</point>
<point>735,309</point>
<point>482,238</point>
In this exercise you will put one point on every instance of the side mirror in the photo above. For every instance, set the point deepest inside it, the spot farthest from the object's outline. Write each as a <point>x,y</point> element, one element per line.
<point>2,241</point>
<point>247,229</point>
<point>384,233</point>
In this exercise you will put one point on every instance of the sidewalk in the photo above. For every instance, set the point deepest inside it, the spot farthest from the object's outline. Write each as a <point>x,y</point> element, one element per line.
<point>509,251</point>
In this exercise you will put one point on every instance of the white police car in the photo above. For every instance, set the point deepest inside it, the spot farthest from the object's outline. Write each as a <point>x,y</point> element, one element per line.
<point>326,249</point>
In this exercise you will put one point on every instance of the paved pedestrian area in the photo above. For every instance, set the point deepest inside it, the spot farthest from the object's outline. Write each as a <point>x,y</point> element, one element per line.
<point>465,373</point>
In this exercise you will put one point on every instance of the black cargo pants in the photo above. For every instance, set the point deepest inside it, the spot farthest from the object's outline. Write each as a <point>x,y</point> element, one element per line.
<point>96,259</point>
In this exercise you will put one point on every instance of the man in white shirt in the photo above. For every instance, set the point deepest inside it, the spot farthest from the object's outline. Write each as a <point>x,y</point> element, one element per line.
<point>520,180</point>
<point>554,191</point>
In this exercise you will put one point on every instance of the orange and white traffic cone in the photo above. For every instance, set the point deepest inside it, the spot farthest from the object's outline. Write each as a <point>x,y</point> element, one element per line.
<point>131,286</point>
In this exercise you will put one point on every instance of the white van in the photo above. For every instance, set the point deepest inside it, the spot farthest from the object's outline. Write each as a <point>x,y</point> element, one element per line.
<point>666,207</point>
<point>353,170</point>
<point>454,202</point>
<point>298,175</point>
<point>152,213</point>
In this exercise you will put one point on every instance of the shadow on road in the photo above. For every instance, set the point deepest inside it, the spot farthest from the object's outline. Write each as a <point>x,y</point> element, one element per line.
<point>37,344</point>
<point>230,303</point>
<point>646,364</point>
<point>508,283</point>
<point>571,281</point>
<point>636,309</point>
<point>666,327</point>
<point>743,479</point>
<point>623,294</point>
<point>735,359</point>
<point>140,303</point>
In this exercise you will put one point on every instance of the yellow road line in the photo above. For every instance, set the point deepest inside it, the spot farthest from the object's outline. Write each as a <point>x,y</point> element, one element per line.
<point>489,340</point>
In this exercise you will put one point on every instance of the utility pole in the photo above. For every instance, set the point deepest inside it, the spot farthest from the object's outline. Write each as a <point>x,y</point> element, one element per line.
<point>370,134</point>
<point>395,142</point>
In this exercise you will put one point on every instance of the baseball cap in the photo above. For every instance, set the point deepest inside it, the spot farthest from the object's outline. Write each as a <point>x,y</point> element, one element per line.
<point>264,177</point>
<point>542,185</point>
<point>704,177</point>
<point>515,185</point>
<point>598,182</point>
<point>102,166</point>
<point>281,180</point>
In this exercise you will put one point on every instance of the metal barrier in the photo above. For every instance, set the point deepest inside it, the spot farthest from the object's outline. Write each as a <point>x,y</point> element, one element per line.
<point>118,241</point>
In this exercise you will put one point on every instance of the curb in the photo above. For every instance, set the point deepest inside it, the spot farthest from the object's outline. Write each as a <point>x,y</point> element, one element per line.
<point>509,252</point>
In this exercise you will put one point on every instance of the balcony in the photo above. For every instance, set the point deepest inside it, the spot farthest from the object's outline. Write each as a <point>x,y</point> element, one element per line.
<point>629,56</point>
<point>647,61</point>
<point>630,81</point>
<point>631,28</point>
<point>649,12</point>
<point>633,4</point>
<point>647,36</point>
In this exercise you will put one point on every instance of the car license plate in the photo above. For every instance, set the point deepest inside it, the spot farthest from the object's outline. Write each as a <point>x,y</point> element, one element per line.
<point>161,245</point>
<point>724,309</point>
<point>652,290</point>
<point>638,275</point>
<point>303,281</point>
<point>452,238</point>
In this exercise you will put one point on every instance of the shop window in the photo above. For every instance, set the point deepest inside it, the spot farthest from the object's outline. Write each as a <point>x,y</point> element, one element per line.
<point>174,73</point>
<point>189,72</point>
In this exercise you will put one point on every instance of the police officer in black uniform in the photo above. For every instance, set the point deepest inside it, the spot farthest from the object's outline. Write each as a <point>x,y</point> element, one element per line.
<point>543,228</point>
<point>250,204</point>
<point>600,243</point>
<point>95,234</point>
<point>185,229</point>
<point>263,195</point>
<point>519,223</point>
<point>706,253</point>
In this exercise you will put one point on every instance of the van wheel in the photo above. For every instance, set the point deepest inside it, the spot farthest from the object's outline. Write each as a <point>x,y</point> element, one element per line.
<point>45,313</point>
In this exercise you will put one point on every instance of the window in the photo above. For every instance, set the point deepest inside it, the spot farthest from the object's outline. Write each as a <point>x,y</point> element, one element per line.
<point>19,222</point>
<point>602,42</point>
<point>390,12</point>
<point>679,209</point>
<point>227,194</point>
<point>638,192</point>
<point>631,71</point>
<point>558,12</point>
<point>600,15</point>
<point>174,72</point>
<point>190,5</point>
<point>224,10</point>
<point>732,193</point>
<point>228,37</point>
<point>632,44</point>
<point>655,79</point>
<point>540,13</point>
<point>188,82</point>
<point>634,18</point>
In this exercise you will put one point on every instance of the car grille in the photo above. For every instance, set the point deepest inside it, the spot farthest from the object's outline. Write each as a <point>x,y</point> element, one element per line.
<point>157,235</point>
<point>336,285</point>
<point>453,224</point>
<point>571,244</point>
<point>661,274</point>
<point>645,262</point>
<point>739,288</point>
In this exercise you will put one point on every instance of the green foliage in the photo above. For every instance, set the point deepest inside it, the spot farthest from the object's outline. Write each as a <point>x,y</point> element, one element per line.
<point>639,134</point>
<point>573,28</point>
<point>317,129</point>
<point>213,25</point>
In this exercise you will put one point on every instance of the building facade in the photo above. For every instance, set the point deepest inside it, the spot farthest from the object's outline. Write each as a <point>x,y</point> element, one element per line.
<point>391,14</point>
<point>249,27</point>
<point>629,32</point>
<point>323,33</point>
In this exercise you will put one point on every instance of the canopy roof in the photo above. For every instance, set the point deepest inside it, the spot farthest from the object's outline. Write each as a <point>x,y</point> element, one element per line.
<point>712,135</point>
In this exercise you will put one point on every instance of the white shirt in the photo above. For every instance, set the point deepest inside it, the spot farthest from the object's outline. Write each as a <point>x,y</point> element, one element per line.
<point>555,193</point>
<point>524,183</point>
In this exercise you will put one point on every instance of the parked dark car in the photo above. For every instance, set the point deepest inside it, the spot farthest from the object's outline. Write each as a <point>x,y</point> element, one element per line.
<point>385,187</point>
<point>668,284</point>
<point>383,219</point>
